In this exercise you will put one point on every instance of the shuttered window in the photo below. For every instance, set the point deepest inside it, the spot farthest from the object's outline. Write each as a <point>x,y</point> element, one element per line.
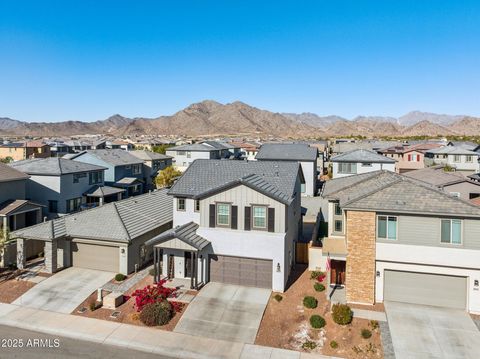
<point>246,225</point>
<point>259,217</point>
<point>271,219</point>
<point>223,214</point>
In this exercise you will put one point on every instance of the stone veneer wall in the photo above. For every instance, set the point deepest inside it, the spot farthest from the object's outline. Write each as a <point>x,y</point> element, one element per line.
<point>360,271</point>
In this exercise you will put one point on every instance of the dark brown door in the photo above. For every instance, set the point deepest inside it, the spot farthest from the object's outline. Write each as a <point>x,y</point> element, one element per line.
<point>188,264</point>
<point>171,266</point>
<point>337,272</point>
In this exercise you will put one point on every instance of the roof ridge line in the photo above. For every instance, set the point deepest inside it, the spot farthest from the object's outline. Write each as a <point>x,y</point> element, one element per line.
<point>121,220</point>
<point>397,180</point>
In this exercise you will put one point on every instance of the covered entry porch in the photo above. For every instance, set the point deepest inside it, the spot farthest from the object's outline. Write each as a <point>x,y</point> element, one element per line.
<point>178,253</point>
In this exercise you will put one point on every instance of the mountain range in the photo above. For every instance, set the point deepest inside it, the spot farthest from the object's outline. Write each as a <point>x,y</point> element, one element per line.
<point>237,118</point>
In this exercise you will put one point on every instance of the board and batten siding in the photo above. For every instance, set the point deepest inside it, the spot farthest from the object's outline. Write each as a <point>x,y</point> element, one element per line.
<point>425,231</point>
<point>242,196</point>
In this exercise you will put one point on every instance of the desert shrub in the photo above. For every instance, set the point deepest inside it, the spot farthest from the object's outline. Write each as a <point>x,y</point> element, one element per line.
<point>317,322</point>
<point>158,313</point>
<point>309,345</point>
<point>333,344</point>
<point>92,305</point>
<point>319,287</point>
<point>374,324</point>
<point>342,314</point>
<point>120,277</point>
<point>366,333</point>
<point>314,274</point>
<point>310,302</point>
<point>278,297</point>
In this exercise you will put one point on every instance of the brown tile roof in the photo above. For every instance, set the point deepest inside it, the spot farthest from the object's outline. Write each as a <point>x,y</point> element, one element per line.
<point>12,205</point>
<point>476,201</point>
<point>8,173</point>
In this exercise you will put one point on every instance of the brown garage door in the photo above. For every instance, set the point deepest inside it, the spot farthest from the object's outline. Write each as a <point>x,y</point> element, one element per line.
<point>242,271</point>
<point>95,256</point>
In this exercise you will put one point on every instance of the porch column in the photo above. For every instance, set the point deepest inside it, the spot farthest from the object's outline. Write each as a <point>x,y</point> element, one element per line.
<point>67,253</point>
<point>51,256</point>
<point>155,258</point>
<point>21,260</point>
<point>5,226</point>
<point>195,270</point>
<point>100,201</point>
<point>192,256</point>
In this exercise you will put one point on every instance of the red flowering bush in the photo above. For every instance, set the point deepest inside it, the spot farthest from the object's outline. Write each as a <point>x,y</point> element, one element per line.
<point>321,277</point>
<point>154,294</point>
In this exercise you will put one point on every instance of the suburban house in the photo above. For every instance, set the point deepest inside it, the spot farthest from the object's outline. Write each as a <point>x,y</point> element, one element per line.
<point>456,157</point>
<point>408,157</point>
<point>303,154</point>
<point>24,150</point>
<point>152,163</point>
<point>233,222</point>
<point>109,238</point>
<point>451,182</point>
<point>394,238</point>
<point>119,145</point>
<point>360,161</point>
<point>184,155</point>
<point>15,210</point>
<point>63,186</point>
<point>123,170</point>
<point>249,150</point>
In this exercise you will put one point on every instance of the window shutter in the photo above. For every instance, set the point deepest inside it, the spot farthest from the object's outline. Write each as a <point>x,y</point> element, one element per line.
<point>418,158</point>
<point>271,219</point>
<point>248,211</point>
<point>234,217</point>
<point>409,157</point>
<point>212,216</point>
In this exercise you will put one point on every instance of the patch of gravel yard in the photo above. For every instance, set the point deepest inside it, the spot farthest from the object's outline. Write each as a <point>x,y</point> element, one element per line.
<point>286,325</point>
<point>11,289</point>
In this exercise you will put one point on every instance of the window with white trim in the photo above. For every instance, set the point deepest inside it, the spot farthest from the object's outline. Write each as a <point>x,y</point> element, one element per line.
<point>223,214</point>
<point>451,231</point>
<point>347,168</point>
<point>387,227</point>
<point>469,158</point>
<point>456,158</point>
<point>180,204</point>
<point>259,217</point>
<point>197,205</point>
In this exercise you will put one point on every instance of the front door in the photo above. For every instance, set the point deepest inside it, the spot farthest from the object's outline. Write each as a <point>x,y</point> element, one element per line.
<point>337,272</point>
<point>188,264</point>
<point>171,266</point>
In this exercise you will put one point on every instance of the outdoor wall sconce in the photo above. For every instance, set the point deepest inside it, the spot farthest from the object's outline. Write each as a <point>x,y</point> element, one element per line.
<point>378,273</point>
<point>475,283</point>
<point>122,251</point>
<point>278,267</point>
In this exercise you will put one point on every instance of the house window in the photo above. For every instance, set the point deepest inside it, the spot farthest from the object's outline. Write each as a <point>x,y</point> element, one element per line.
<point>74,204</point>
<point>197,205</point>
<point>77,176</point>
<point>181,153</point>
<point>53,206</point>
<point>137,169</point>
<point>189,154</point>
<point>259,217</point>
<point>386,227</point>
<point>451,231</point>
<point>223,214</point>
<point>303,188</point>
<point>366,165</point>
<point>469,158</point>
<point>347,168</point>
<point>338,225</point>
<point>456,158</point>
<point>338,209</point>
<point>95,177</point>
<point>180,204</point>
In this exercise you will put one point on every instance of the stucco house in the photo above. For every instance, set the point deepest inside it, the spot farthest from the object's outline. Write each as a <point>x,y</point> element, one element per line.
<point>459,158</point>
<point>394,238</point>
<point>233,222</point>
<point>300,153</point>
<point>408,158</point>
<point>152,163</point>
<point>24,150</point>
<point>109,238</point>
<point>360,161</point>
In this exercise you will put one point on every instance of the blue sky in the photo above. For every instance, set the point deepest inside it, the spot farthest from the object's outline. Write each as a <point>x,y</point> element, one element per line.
<point>86,60</point>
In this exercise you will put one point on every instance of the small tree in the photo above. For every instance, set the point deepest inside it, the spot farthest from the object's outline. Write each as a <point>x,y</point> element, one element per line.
<point>167,176</point>
<point>7,159</point>
<point>161,148</point>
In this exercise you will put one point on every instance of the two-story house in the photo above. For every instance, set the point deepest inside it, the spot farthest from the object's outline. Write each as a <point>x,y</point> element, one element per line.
<point>233,222</point>
<point>360,161</point>
<point>152,163</point>
<point>300,153</point>
<point>408,158</point>
<point>123,170</point>
<point>459,158</point>
<point>18,151</point>
<point>392,238</point>
<point>64,186</point>
<point>184,155</point>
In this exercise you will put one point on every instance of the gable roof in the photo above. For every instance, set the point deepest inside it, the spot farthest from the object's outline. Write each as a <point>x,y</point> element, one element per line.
<point>198,147</point>
<point>287,152</point>
<point>187,233</point>
<point>116,157</point>
<point>436,176</point>
<point>120,221</point>
<point>8,174</point>
<point>362,156</point>
<point>452,150</point>
<point>203,178</point>
<point>149,155</point>
<point>53,166</point>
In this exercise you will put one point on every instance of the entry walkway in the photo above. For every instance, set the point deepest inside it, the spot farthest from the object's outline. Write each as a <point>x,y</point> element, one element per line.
<point>136,337</point>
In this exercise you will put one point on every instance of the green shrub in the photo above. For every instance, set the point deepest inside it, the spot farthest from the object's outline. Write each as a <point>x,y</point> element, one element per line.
<point>317,321</point>
<point>120,277</point>
<point>309,345</point>
<point>310,302</point>
<point>342,314</point>
<point>333,344</point>
<point>319,287</point>
<point>278,297</point>
<point>158,313</point>
<point>374,324</point>
<point>92,305</point>
<point>366,333</point>
<point>315,274</point>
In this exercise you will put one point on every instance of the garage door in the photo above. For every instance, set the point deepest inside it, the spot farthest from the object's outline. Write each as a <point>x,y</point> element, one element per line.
<point>242,271</point>
<point>428,289</point>
<point>94,256</point>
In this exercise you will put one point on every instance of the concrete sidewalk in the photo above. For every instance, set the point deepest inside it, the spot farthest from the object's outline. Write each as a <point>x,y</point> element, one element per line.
<point>135,337</point>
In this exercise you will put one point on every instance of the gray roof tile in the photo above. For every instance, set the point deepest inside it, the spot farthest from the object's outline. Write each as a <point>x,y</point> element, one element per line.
<point>8,174</point>
<point>53,166</point>
<point>116,157</point>
<point>362,156</point>
<point>287,152</point>
<point>186,233</point>
<point>149,155</point>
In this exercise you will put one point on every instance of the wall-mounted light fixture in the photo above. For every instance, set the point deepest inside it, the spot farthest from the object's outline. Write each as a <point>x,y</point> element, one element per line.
<point>475,283</point>
<point>279,269</point>
<point>122,251</point>
<point>378,273</point>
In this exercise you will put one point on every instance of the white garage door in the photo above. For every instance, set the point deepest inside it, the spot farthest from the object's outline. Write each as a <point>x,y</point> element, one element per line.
<point>427,289</point>
<point>93,256</point>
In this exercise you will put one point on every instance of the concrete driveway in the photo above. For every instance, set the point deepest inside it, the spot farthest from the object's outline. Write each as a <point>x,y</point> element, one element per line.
<point>420,331</point>
<point>65,290</point>
<point>224,311</point>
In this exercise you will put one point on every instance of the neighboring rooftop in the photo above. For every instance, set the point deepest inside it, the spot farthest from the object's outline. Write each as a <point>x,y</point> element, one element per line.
<point>362,156</point>
<point>186,233</point>
<point>116,157</point>
<point>53,166</point>
<point>149,155</point>
<point>119,221</point>
<point>437,176</point>
<point>275,179</point>
<point>199,147</point>
<point>8,174</point>
<point>287,152</point>
<point>452,150</point>
<point>419,147</point>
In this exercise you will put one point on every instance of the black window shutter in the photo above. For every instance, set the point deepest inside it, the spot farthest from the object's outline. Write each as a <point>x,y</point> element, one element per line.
<point>271,219</point>
<point>212,216</point>
<point>234,217</point>
<point>248,211</point>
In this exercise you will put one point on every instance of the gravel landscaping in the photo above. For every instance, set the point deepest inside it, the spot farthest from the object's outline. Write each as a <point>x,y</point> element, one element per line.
<point>11,287</point>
